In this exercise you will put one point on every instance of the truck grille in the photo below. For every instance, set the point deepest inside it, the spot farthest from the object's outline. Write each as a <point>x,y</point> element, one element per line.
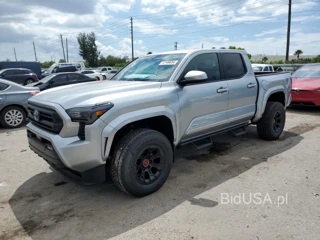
<point>45,118</point>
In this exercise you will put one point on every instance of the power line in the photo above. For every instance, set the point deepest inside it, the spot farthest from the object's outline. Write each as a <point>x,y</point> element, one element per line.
<point>183,22</point>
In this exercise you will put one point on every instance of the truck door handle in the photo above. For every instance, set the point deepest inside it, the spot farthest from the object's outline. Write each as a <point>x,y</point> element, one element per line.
<point>251,85</point>
<point>222,90</point>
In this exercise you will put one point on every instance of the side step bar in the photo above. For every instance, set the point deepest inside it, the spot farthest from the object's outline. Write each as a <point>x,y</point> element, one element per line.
<point>203,143</point>
<point>239,131</point>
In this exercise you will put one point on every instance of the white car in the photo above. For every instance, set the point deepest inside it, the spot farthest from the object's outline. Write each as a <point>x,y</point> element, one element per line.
<point>105,69</point>
<point>111,74</point>
<point>94,74</point>
<point>262,68</point>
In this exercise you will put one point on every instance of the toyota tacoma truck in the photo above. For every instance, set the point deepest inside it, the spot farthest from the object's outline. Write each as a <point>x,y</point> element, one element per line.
<point>129,127</point>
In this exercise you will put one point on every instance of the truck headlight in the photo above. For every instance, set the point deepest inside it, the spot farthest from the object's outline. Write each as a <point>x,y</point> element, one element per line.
<point>88,115</point>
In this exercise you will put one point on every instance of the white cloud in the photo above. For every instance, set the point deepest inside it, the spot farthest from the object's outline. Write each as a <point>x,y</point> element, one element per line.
<point>124,48</point>
<point>308,42</point>
<point>117,5</point>
<point>148,27</point>
<point>152,6</point>
<point>220,39</point>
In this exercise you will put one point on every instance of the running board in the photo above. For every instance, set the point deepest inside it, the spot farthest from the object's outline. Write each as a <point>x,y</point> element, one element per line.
<point>205,136</point>
<point>203,143</point>
<point>239,131</point>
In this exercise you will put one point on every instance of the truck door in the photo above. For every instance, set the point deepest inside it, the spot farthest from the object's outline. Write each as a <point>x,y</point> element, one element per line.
<point>204,105</point>
<point>243,88</point>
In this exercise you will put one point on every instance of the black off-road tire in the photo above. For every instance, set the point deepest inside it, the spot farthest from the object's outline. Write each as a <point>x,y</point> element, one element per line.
<point>271,125</point>
<point>126,154</point>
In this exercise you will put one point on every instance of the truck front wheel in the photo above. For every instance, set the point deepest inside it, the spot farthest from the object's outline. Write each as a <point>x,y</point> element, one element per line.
<point>271,125</point>
<point>141,162</point>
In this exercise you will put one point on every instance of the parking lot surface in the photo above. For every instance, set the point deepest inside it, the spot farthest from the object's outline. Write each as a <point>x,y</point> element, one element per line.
<point>207,195</point>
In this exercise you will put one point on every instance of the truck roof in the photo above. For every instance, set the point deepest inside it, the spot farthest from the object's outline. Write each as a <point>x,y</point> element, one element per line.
<point>190,51</point>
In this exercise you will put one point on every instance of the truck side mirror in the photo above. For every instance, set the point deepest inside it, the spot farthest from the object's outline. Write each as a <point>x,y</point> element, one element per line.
<point>194,77</point>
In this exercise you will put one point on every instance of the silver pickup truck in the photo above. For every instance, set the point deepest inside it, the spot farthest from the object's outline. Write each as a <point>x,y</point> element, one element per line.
<point>129,127</point>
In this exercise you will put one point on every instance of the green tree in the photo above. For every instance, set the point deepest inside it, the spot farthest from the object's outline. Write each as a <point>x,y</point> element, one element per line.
<point>316,59</point>
<point>264,59</point>
<point>46,64</point>
<point>222,48</point>
<point>249,55</point>
<point>111,61</point>
<point>88,49</point>
<point>232,47</point>
<point>149,53</point>
<point>298,53</point>
<point>120,65</point>
<point>62,61</point>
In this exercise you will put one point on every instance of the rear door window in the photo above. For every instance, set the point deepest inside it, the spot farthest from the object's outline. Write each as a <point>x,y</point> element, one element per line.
<point>8,72</point>
<point>73,77</point>
<point>3,86</point>
<point>270,69</point>
<point>266,69</point>
<point>59,80</point>
<point>234,66</point>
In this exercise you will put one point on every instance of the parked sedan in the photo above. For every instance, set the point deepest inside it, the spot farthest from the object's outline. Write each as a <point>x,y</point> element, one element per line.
<point>306,85</point>
<point>13,103</point>
<point>19,75</point>
<point>61,79</point>
<point>94,74</point>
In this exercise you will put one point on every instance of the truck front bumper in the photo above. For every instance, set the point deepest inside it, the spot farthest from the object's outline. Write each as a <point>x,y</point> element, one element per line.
<point>79,158</point>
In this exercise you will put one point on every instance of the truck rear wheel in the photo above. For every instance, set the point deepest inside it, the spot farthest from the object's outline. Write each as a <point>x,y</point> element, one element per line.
<point>141,162</point>
<point>271,125</point>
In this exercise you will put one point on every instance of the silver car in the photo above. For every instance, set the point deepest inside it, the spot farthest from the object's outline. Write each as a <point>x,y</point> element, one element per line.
<point>13,103</point>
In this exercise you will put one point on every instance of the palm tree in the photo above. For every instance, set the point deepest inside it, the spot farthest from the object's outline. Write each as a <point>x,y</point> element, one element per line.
<point>297,53</point>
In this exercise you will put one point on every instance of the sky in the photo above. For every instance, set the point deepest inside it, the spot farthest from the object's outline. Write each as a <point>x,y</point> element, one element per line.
<point>259,26</point>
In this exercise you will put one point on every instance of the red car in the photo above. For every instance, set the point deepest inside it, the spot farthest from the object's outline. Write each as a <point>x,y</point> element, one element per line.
<point>306,85</point>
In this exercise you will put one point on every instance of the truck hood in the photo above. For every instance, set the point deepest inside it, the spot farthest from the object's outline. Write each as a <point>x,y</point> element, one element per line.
<point>88,94</point>
<point>306,83</point>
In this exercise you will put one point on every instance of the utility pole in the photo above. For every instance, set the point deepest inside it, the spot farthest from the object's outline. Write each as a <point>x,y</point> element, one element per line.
<point>132,54</point>
<point>202,45</point>
<point>15,55</point>
<point>35,53</point>
<point>64,55</point>
<point>288,32</point>
<point>175,45</point>
<point>67,49</point>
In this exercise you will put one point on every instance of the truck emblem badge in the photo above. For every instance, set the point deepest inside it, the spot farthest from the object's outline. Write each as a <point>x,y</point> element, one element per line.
<point>36,115</point>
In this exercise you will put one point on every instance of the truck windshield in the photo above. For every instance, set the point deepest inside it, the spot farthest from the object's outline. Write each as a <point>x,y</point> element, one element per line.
<point>307,72</point>
<point>150,68</point>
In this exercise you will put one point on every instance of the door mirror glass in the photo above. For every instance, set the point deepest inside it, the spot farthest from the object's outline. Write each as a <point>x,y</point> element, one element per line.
<point>194,77</point>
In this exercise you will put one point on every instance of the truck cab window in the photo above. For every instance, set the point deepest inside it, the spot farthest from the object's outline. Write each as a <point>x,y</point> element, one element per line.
<point>233,65</point>
<point>206,62</point>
